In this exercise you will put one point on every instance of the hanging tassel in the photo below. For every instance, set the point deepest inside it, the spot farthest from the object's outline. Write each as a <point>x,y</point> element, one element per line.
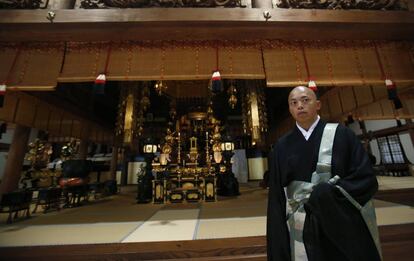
<point>216,83</point>
<point>99,85</point>
<point>397,103</point>
<point>3,88</point>
<point>391,89</point>
<point>392,94</point>
<point>311,83</point>
<point>313,87</point>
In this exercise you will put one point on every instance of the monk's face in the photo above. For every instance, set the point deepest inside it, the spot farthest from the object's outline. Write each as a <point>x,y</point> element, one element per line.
<point>303,106</point>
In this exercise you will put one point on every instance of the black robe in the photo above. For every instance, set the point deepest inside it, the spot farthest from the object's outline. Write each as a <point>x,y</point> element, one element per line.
<point>334,228</point>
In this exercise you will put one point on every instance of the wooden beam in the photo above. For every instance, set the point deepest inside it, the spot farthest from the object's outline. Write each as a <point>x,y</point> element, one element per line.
<point>387,132</point>
<point>204,24</point>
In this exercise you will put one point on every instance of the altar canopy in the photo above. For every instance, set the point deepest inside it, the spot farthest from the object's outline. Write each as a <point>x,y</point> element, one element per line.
<point>160,61</point>
<point>281,63</point>
<point>31,66</point>
<point>357,68</point>
<point>338,63</point>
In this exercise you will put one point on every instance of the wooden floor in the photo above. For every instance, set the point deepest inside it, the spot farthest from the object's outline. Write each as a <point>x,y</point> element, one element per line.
<point>397,244</point>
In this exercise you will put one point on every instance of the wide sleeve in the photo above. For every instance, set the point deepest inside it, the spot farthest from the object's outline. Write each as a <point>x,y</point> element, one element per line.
<point>278,247</point>
<point>357,176</point>
<point>334,228</point>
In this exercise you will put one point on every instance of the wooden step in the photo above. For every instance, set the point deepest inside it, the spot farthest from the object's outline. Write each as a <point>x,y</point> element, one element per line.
<point>399,196</point>
<point>397,244</point>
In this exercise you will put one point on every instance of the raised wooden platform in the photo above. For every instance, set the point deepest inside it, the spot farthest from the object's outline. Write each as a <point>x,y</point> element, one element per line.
<point>397,244</point>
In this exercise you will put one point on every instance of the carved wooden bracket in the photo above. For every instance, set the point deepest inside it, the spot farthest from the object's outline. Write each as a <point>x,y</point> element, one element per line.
<point>22,4</point>
<point>344,4</point>
<point>93,4</point>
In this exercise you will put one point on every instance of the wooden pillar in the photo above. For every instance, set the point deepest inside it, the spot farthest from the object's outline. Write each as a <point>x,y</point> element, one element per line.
<point>114,162</point>
<point>264,4</point>
<point>125,163</point>
<point>15,159</point>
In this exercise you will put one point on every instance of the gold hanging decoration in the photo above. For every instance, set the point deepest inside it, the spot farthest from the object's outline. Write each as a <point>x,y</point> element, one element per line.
<point>145,101</point>
<point>160,87</point>
<point>129,119</point>
<point>254,111</point>
<point>232,95</point>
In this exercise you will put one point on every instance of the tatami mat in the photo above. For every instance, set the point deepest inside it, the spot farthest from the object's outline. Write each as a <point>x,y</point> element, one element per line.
<point>17,235</point>
<point>166,225</point>
<point>231,227</point>
<point>120,219</point>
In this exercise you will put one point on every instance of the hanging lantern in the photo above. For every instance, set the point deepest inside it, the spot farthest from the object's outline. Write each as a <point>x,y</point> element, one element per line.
<point>160,87</point>
<point>227,145</point>
<point>232,95</point>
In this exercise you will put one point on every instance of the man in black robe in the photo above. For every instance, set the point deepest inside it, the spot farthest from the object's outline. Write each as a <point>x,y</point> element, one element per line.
<point>333,227</point>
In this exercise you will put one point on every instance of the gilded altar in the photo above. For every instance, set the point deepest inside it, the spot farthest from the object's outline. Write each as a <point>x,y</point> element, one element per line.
<point>185,170</point>
<point>184,184</point>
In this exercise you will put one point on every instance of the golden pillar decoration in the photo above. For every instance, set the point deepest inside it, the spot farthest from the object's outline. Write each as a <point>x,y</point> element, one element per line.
<point>216,144</point>
<point>129,118</point>
<point>254,111</point>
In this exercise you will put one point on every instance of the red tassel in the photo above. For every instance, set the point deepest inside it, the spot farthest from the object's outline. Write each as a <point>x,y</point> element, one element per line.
<point>216,84</point>
<point>312,85</point>
<point>391,89</point>
<point>390,84</point>
<point>101,79</point>
<point>392,94</point>
<point>3,88</point>
<point>216,76</point>
<point>99,85</point>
